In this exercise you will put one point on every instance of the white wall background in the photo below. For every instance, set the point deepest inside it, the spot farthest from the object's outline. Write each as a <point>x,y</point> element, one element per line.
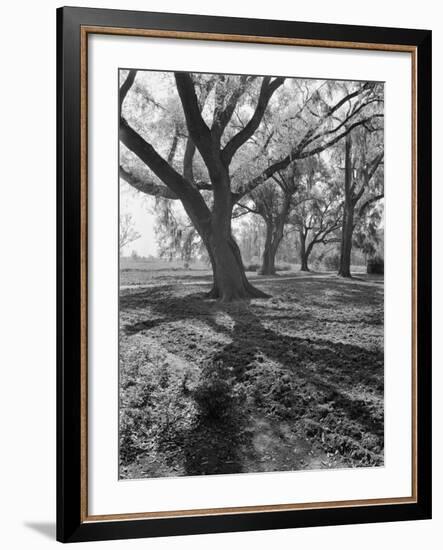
<point>27,276</point>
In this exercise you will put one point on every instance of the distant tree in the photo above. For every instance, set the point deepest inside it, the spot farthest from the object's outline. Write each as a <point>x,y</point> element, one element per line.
<point>368,235</point>
<point>250,238</point>
<point>176,237</point>
<point>363,185</point>
<point>128,234</point>
<point>274,199</point>
<point>272,202</point>
<point>317,214</point>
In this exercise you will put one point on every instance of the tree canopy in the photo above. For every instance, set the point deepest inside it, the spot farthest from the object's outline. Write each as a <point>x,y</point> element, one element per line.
<point>223,144</point>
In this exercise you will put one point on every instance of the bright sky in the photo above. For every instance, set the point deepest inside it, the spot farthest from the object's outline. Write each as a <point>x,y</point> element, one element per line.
<point>141,207</point>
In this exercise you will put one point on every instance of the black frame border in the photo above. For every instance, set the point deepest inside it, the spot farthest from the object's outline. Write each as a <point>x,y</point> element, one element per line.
<point>70,527</point>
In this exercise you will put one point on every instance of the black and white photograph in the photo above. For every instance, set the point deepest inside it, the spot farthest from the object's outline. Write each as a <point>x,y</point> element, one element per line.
<point>202,345</point>
<point>251,274</point>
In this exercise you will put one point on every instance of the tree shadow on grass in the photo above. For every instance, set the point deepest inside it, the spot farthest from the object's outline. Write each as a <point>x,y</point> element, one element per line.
<point>166,308</point>
<point>213,443</point>
<point>327,365</point>
<point>332,291</point>
<point>323,376</point>
<point>324,373</point>
<point>250,337</point>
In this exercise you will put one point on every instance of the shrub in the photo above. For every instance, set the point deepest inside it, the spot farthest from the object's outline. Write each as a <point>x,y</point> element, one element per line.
<point>256,267</point>
<point>376,266</point>
<point>252,267</point>
<point>216,394</point>
<point>332,262</point>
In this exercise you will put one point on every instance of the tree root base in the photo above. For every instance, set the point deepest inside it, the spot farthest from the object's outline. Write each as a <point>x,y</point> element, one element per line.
<point>248,294</point>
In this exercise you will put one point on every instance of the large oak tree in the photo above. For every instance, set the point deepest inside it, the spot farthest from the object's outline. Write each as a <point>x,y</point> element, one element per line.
<point>217,143</point>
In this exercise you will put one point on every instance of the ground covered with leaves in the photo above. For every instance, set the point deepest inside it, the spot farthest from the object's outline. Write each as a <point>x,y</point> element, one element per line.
<point>287,383</point>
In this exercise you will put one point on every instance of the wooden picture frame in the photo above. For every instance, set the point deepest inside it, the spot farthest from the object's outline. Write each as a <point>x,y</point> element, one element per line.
<point>74,25</point>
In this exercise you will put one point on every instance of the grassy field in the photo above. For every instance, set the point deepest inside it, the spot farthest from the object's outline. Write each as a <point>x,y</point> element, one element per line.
<point>143,271</point>
<point>288,383</point>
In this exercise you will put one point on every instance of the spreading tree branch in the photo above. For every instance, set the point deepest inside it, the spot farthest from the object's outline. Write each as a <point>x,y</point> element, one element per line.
<point>331,142</point>
<point>223,116</point>
<point>295,154</point>
<point>368,203</point>
<point>198,130</point>
<point>185,190</point>
<point>146,185</point>
<point>267,89</point>
<point>126,86</point>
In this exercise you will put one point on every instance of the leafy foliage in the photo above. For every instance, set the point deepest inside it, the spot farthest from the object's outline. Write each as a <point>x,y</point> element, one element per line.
<point>277,138</point>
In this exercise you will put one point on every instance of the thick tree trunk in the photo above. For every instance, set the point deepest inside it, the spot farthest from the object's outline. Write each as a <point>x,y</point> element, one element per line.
<point>348,214</point>
<point>229,277</point>
<point>274,235</point>
<point>346,242</point>
<point>230,282</point>
<point>214,292</point>
<point>269,252</point>
<point>303,253</point>
<point>268,261</point>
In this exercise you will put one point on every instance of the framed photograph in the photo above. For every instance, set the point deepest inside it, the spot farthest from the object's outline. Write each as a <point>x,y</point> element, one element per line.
<point>244,274</point>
